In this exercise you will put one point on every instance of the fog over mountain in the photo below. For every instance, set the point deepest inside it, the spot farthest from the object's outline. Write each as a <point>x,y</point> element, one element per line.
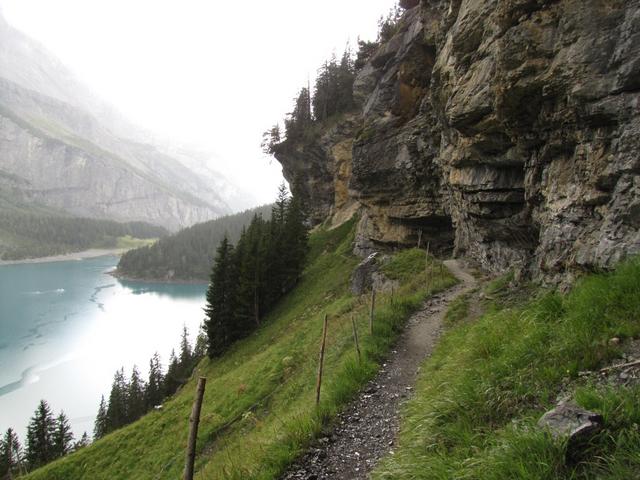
<point>64,148</point>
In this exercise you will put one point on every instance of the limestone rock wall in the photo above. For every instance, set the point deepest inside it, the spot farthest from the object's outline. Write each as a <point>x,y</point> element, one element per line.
<point>506,130</point>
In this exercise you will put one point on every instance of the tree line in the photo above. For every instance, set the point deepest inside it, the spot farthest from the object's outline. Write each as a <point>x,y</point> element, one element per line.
<point>187,254</point>
<point>249,278</point>
<point>129,399</point>
<point>332,94</point>
<point>49,437</point>
<point>42,235</point>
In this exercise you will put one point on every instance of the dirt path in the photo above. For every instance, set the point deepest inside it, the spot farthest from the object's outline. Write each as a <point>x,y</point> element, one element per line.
<point>366,429</point>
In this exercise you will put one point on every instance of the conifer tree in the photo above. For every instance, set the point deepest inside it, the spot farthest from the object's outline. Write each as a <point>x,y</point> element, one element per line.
<point>249,279</point>
<point>10,454</point>
<point>136,405</point>
<point>296,238</point>
<point>84,441</point>
<point>100,426</point>
<point>253,260</point>
<point>62,436</point>
<point>186,355</point>
<point>40,432</point>
<point>200,348</point>
<point>155,392</point>
<point>172,380</point>
<point>221,296</point>
<point>117,407</point>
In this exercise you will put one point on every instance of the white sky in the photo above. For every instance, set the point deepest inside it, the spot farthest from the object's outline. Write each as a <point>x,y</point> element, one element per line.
<point>215,74</point>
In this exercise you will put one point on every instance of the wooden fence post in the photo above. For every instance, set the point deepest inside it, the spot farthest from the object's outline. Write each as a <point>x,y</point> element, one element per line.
<point>426,266</point>
<point>355,336</point>
<point>419,238</point>
<point>324,340</point>
<point>194,420</point>
<point>373,306</point>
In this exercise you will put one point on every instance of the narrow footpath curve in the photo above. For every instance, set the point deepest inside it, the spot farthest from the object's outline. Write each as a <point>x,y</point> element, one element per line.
<point>365,431</point>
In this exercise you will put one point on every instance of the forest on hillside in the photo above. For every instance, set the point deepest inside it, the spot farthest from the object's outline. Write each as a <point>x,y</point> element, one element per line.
<point>29,235</point>
<point>187,255</point>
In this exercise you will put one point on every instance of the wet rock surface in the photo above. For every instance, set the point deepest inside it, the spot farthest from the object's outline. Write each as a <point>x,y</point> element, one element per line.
<point>506,131</point>
<point>362,277</point>
<point>366,430</point>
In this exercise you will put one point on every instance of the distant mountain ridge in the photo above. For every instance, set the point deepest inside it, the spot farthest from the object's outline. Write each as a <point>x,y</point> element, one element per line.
<point>62,147</point>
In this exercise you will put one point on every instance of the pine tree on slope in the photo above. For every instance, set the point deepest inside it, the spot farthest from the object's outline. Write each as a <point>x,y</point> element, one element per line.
<point>62,436</point>
<point>221,295</point>
<point>40,436</point>
<point>100,426</point>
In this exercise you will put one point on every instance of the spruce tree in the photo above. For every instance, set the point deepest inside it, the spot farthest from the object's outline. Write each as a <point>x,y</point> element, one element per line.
<point>84,441</point>
<point>101,424</point>
<point>155,386</point>
<point>62,436</point>
<point>200,348</point>
<point>172,380</point>
<point>136,405</point>
<point>117,407</point>
<point>257,276</point>
<point>296,241</point>
<point>186,355</point>
<point>10,454</point>
<point>221,299</point>
<point>40,449</point>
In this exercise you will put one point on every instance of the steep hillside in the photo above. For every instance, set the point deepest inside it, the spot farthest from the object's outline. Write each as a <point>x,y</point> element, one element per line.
<point>479,399</point>
<point>65,149</point>
<point>259,412</point>
<point>187,255</point>
<point>505,131</point>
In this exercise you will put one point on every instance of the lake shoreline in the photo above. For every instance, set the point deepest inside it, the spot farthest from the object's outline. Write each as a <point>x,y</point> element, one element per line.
<point>120,276</point>
<point>65,257</point>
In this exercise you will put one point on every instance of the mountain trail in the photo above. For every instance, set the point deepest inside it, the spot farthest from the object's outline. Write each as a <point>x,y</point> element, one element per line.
<point>366,429</point>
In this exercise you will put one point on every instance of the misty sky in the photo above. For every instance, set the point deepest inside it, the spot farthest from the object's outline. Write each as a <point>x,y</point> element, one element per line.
<point>211,73</point>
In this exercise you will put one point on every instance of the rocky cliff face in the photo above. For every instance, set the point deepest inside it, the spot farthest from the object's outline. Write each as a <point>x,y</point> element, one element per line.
<point>62,147</point>
<point>506,130</point>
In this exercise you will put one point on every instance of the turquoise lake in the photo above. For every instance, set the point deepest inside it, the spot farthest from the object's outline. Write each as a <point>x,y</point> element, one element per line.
<point>66,327</point>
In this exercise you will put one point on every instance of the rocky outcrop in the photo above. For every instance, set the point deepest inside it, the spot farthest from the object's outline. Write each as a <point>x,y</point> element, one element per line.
<point>505,130</point>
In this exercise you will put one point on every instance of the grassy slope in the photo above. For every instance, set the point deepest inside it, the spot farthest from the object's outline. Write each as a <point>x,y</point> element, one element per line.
<point>480,395</point>
<point>258,412</point>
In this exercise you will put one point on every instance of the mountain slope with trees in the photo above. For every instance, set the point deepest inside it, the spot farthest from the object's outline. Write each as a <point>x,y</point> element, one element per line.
<point>27,231</point>
<point>187,255</point>
<point>258,411</point>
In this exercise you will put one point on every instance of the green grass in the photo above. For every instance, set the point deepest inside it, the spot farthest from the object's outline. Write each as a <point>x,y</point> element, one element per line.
<point>480,395</point>
<point>258,412</point>
<point>129,242</point>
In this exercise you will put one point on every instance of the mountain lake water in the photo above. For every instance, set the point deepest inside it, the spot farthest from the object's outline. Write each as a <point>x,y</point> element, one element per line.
<point>66,327</point>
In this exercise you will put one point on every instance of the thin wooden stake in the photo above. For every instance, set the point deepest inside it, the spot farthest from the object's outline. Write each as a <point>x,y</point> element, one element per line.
<point>373,307</point>
<point>426,267</point>
<point>324,340</point>
<point>355,336</point>
<point>419,238</point>
<point>391,294</point>
<point>194,420</point>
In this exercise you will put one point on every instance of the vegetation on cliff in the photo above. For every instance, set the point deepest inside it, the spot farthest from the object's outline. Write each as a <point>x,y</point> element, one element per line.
<point>258,412</point>
<point>187,255</point>
<point>480,395</point>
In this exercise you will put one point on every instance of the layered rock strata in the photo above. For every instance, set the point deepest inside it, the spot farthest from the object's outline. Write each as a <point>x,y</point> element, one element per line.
<point>506,130</point>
